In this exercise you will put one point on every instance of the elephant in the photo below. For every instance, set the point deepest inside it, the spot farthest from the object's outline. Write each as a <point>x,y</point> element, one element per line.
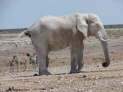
<point>52,33</point>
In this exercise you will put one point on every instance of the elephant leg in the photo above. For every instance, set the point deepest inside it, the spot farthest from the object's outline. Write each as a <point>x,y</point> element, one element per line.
<point>80,56</point>
<point>77,48</point>
<point>73,64</point>
<point>42,66</point>
<point>80,61</point>
<point>77,60</point>
<point>42,58</point>
<point>47,61</point>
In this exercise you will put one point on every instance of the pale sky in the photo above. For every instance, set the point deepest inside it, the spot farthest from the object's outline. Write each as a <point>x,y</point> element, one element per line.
<point>23,13</point>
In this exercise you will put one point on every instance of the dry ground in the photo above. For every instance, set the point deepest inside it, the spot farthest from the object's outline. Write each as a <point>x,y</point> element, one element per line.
<point>93,78</point>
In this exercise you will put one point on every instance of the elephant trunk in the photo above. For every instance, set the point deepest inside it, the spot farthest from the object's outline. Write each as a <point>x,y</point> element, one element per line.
<point>103,40</point>
<point>106,54</point>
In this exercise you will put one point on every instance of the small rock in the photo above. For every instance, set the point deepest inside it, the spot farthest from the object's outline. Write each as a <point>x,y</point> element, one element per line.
<point>97,65</point>
<point>43,88</point>
<point>84,76</point>
<point>35,75</point>
<point>36,81</point>
<point>121,82</point>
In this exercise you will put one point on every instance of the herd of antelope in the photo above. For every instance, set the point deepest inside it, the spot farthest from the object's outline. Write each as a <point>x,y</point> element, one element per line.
<point>23,62</point>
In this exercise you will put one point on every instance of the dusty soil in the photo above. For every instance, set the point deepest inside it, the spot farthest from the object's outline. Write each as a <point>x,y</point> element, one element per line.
<point>93,77</point>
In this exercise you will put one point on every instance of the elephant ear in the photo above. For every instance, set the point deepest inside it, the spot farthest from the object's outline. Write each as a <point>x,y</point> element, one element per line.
<point>82,25</point>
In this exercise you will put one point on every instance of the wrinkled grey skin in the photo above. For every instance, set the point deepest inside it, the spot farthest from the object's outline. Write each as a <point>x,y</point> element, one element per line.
<point>55,33</point>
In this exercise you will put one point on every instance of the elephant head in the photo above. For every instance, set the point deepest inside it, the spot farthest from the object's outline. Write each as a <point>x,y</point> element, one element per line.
<point>92,26</point>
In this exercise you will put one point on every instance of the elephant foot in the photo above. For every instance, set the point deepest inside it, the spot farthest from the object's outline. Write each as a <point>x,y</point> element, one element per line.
<point>44,73</point>
<point>105,64</point>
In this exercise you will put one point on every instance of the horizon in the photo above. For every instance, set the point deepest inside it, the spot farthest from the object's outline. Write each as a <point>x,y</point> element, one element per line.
<point>108,26</point>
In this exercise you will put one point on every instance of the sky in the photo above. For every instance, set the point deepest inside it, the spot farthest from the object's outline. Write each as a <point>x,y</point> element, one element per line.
<point>23,13</point>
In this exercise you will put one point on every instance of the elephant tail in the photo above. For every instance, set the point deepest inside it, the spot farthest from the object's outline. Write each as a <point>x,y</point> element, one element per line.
<point>24,33</point>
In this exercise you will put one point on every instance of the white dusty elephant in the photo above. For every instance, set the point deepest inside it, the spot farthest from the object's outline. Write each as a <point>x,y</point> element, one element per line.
<point>58,32</point>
